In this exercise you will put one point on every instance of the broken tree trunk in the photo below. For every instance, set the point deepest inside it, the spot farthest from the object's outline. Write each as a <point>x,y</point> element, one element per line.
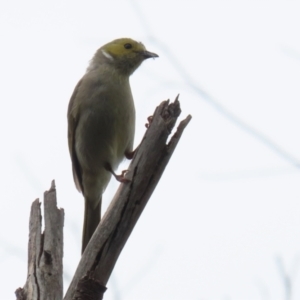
<point>45,251</point>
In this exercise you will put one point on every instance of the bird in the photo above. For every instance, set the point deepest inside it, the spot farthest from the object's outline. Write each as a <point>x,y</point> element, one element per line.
<point>101,123</point>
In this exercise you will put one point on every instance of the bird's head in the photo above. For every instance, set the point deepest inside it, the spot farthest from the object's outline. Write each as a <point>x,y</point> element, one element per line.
<point>124,54</point>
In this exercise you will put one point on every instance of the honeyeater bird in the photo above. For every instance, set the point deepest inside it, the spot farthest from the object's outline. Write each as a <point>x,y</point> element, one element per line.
<point>101,123</point>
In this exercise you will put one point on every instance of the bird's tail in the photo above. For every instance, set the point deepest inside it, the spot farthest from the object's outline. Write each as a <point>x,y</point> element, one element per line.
<point>91,220</point>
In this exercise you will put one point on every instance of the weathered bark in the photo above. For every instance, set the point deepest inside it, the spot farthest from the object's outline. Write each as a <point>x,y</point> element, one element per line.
<point>144,172</point>
<point>45,251</point>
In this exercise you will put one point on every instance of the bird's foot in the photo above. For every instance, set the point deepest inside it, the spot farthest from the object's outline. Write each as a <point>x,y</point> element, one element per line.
<point>121,177</point>
<point>149,119</point>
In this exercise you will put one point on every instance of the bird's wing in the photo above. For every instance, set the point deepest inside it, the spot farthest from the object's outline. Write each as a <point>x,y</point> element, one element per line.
<point>72,124</point>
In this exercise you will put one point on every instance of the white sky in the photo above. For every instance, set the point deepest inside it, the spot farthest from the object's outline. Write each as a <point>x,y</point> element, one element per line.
<point>228,204</point>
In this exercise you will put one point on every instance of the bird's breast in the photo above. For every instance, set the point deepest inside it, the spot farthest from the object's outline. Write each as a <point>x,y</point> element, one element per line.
<point>106,127</point>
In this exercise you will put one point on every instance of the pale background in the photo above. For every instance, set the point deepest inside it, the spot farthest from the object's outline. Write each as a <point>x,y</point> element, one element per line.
<point>226,214</point>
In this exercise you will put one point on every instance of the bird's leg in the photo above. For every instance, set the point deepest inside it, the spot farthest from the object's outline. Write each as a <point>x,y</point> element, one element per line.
<point>149,119</point>
<point>130,155</point>
<point>121,177</point>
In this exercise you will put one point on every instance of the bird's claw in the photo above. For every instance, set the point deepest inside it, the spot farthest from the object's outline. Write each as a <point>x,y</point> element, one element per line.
<point>121,177</point>
<point>149,119</point>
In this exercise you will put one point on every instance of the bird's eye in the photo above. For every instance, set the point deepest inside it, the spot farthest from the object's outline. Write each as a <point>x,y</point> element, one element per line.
<point>127,46</point>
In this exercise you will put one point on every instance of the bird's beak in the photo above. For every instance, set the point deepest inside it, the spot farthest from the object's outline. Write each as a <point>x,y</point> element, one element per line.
<point>148,54</point>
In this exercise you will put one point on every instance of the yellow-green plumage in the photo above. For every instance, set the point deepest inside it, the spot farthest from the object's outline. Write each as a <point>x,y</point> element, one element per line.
<point>101,122</point>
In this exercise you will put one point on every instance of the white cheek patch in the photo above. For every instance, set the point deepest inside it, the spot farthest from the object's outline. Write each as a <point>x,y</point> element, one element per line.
<point>107,55</point>
<point>92,66</point>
